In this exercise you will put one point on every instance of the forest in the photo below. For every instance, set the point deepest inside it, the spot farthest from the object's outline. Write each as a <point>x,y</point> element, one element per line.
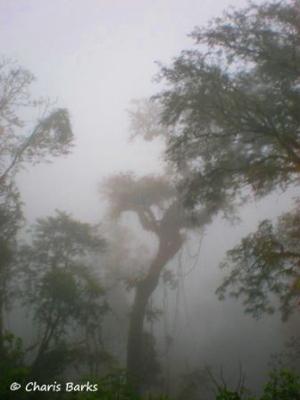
<point>154,256</point>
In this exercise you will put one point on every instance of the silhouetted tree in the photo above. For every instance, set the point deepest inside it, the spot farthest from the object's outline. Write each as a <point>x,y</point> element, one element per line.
<point>155,202</point>
<point>232,110</point>
<point>10,221</point>
<point>160,210</point>
<point>22,142</point>
<point>64,293</point>
<point>267,262</point>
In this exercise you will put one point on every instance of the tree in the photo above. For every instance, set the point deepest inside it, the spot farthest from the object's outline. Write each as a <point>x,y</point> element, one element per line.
<point>267,262</point>
<point>63,293</point>
<point>50,135</point>
<point>233,103</point>
<point>10,221</point>
<point>22,142</point>
<point>158,207</point>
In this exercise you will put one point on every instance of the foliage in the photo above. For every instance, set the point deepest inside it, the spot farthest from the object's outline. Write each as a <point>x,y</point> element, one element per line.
<point>289,357</point>
<point>283,385</point>
<point>50,136</point>
<point>12,366</point>
<point>233,103</point>
<point>158,206</point>
<point>126,192</point>
<point>111,387</point>
<point>145,120</point>
<point>226,394</point>
<point>266,262</point>
<point>153,200</point>
<point>63,291</point>
<point>11,220</point>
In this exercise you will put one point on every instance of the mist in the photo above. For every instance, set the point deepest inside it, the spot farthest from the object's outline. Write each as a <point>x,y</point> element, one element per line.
<point>94,59</point>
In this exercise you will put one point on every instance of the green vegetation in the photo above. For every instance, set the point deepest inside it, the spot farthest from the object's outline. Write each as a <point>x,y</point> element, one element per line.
<point>230,119</point>
<point>232,111</point>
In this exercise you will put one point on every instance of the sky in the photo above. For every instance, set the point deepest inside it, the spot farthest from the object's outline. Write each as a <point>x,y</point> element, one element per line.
<point>93,57</point>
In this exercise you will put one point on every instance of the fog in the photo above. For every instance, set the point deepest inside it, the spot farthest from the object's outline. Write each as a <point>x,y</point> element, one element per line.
<point>93,58</point>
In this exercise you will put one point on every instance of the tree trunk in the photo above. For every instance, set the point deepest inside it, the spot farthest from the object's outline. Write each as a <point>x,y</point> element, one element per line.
<point>36,370</point>
<point>168,247</point>
<point>1,330</point>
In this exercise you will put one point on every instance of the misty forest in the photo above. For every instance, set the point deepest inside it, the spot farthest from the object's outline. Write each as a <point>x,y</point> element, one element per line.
<point>149,200</point>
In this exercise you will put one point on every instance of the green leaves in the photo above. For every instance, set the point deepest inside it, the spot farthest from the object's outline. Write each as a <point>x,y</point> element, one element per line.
<point>63,289</point>
<point>283,385</point>
<point>266,262</point>
<point>230,104</point>
<point>127,192</point>
<point>62,235</point>
<point>50,135</point>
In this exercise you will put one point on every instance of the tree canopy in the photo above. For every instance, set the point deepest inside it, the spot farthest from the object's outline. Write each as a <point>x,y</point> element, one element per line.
<point>50,134</point>
<point>267,262</point>
<point>31,131</point>
<point>21,140</point>
<point>62,288</point>
<point>233,102</point>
